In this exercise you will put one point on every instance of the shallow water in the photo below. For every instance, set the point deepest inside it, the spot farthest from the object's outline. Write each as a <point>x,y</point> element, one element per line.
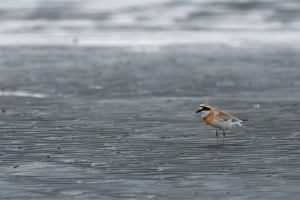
<point>133,22</point>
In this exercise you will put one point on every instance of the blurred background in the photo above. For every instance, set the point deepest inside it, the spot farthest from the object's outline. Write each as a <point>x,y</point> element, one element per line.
<point>135,22</point>
<point>98,99</point>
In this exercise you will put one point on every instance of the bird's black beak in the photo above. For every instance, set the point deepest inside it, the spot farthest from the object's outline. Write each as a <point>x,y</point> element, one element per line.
<point>198,110</point>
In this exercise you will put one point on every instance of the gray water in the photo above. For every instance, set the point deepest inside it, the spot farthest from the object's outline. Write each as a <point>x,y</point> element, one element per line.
<point>133,22</point>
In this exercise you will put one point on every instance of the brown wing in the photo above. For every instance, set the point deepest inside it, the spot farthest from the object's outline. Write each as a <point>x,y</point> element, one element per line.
<point>225,116</point>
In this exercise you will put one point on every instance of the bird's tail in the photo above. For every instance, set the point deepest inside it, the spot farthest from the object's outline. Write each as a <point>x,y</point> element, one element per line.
<point>239,123</point>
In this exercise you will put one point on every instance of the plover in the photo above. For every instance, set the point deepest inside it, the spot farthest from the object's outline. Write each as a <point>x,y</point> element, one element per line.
<point>218,119</point>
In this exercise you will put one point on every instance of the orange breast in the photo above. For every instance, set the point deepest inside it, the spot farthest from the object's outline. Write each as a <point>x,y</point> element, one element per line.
<point>209,118</point>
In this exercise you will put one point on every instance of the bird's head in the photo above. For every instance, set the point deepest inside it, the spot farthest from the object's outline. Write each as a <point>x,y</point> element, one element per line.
<point>204,108</point>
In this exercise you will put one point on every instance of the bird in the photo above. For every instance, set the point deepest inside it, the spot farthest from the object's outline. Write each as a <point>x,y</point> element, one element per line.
<point>218,119</point>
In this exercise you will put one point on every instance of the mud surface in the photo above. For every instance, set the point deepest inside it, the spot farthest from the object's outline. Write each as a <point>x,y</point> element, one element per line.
<point>120,123</point>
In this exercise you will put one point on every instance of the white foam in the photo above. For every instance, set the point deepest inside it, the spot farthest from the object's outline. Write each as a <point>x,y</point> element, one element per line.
<point>22,94</point>
<point>158,39</point>
<point>96,87</point>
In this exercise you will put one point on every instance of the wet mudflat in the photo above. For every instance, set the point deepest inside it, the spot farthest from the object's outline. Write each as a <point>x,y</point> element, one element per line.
<point>119,122</point>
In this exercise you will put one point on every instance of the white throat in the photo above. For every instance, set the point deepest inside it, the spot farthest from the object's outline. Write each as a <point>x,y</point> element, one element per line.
<point>204,113</point>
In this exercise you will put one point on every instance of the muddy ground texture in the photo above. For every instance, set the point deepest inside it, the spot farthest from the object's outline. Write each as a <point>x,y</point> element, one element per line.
<point>120,123</point>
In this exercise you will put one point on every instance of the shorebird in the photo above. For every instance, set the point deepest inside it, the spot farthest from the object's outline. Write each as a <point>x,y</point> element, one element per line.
<point>218,119</point>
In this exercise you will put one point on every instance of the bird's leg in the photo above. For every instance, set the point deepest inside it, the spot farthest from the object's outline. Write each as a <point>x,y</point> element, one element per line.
<point>223,137</point>
<point>217,134</point>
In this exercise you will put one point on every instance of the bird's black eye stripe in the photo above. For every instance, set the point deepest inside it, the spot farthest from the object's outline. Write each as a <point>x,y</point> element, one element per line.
<point>205,108</point>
